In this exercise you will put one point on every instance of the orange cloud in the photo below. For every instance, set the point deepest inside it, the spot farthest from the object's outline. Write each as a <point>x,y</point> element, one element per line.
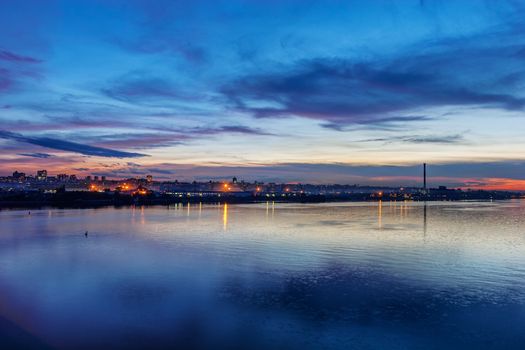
<point>495,183</point>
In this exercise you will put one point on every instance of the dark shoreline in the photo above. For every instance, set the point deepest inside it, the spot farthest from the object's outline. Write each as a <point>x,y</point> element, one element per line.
<point>92,204</point>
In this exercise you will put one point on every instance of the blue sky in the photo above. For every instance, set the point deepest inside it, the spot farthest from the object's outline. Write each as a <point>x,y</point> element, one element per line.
<point>331,91</point>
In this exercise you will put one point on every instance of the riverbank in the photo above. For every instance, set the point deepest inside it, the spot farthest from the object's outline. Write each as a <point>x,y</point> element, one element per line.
<point>96,199</point>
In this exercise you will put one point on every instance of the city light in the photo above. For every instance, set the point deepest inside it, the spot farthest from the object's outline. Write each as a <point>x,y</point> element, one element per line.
<point>246,191</point>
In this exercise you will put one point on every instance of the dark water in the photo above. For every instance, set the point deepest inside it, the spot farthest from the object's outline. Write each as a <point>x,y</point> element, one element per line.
<point>265,276</point>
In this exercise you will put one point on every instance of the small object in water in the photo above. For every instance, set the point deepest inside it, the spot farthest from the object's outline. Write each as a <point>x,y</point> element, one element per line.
<point>29,213</point>
<point>86,233</point>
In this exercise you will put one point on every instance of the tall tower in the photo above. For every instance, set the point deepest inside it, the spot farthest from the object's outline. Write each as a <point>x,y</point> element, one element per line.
<point>425,177</point>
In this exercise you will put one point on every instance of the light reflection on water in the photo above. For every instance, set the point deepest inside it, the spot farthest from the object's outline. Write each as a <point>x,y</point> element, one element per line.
<point>292,276</point>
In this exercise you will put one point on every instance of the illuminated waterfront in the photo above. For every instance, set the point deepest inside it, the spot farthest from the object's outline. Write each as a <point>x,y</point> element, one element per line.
<point>396,275</point>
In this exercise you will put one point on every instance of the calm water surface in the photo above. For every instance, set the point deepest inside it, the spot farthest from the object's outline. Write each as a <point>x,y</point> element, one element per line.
<point>265,276</point>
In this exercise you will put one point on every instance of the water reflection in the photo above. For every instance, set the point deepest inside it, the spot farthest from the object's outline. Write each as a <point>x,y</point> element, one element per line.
<point>425,219</point>
<point>380,214</point>
<point>270,210</point>
<point>323,276</point>
<point>225,216</point>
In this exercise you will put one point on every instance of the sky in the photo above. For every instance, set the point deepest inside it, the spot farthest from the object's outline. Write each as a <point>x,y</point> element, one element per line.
<point>356,92</point>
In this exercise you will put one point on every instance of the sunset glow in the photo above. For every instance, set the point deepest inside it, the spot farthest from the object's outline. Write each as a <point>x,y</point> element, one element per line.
<point>128,88</point>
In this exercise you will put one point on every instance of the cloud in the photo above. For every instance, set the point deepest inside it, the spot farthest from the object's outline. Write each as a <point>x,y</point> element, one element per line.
<point>495,184</point>
<point>5,80</point>
<point>68,146</point>
<point>15,68</point>
<point>227,129</point>
<point>143,140</point>
<point>57,122</point>
<point>12,57</point>
<point>166,137</point>
<point>476,71</point>
<point>160,171</point>
<point>35,155</point>
<point>447,139</point>
<point>387,123</point>
<point>443,139</point>
<point>107,143</point>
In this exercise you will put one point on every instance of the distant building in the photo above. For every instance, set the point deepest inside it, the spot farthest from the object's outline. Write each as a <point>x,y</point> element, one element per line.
<point>149,178</point>
<point>95,178</point>
<point>73,177</point>
<point>62,177</point>
<point>19,176</point>
<point>41,175</point>
<point>103,178</point>
<point>88,178</point>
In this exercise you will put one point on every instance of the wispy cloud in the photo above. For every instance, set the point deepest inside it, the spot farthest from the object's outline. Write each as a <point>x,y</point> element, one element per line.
<point>15,68</point>
<point>68,146</point>
<point>439,139</point>
<point>227,129</point>
<point>165,137</point>
<point>36,155</point>
<point>5,80</point>
<point>142,140</point>
<point>386,123</point>
<point>447,139</point>
<point>13,57</point>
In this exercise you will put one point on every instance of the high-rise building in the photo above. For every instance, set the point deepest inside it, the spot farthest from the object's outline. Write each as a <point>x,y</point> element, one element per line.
<point>41,175</point>
<point>95,178</point>
<point>88,178</point>
<point>103,178</point>
<point>149,178</point>
<point>62,177</point>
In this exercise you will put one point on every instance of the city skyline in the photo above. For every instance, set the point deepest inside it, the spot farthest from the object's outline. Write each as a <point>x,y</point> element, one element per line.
<point>287,91</point>
<point>421,182</point>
